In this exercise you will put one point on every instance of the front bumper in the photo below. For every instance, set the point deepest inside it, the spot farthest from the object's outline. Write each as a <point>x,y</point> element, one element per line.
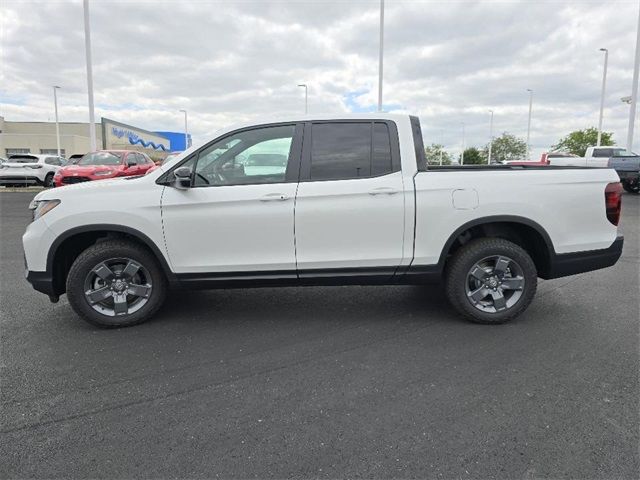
<point>567,264</point>
<point>42,282</point>
<point>20,180</point>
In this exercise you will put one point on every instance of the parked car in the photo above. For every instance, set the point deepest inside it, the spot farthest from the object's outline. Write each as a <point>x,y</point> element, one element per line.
<point>626,164</point>
<point>104,164</point>
<point>73,159</point>
<point>29,169</point>
<point>346,200</point>
<point>166,159</point>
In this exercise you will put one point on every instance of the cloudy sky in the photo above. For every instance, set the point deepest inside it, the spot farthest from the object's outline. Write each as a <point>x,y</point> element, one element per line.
<point>226,61</point>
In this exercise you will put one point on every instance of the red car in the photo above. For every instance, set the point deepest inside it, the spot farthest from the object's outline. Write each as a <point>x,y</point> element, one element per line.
<point>104,164</point>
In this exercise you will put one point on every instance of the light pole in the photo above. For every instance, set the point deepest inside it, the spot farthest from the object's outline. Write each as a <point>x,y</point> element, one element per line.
<point>604,84</point>
<point>490,137</point>
<point>87,48</point>
<point>529,123</point>
<point>306,97</point>
<point>55,106</point>
<point>441,144</point>
<point>634,91</point>
<point>380,55</point>
<point>186,131</point>
<point>462,154</point>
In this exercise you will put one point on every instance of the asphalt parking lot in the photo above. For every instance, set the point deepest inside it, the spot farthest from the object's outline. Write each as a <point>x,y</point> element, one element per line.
<point>323,382</point>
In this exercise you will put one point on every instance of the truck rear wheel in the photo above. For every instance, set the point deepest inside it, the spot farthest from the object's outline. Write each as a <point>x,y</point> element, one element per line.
<point>116,283</point>
<point>491,280</point>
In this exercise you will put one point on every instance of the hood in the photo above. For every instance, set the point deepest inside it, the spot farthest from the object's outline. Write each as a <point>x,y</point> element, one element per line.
<point>87,169</point>
<point>78,189</point>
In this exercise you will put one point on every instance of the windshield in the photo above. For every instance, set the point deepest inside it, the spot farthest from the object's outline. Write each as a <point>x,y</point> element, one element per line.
<point>101,158</point>
<point>621,152</point>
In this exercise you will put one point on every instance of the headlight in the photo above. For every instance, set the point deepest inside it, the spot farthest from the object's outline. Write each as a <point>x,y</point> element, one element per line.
<point>40,207</point>
<point>103,172</point>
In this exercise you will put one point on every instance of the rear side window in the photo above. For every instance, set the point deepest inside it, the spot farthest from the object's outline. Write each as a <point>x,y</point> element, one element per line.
<point>603,152</point>
<point>342,151</point>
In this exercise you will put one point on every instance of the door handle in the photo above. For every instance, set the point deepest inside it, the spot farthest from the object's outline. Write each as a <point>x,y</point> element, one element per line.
<point>383,191</point>
<point>274,197</point>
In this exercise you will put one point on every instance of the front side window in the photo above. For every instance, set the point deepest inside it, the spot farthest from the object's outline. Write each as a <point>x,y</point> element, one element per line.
<point>53,161</point>
<point>341,151</point>
<point>254,156</point>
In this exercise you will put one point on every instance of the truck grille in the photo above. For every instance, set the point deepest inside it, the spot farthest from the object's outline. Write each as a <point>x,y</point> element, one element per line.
<point>70,180</point>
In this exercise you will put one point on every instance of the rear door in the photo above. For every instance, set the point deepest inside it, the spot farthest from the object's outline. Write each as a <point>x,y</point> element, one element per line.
<point>350,204</point>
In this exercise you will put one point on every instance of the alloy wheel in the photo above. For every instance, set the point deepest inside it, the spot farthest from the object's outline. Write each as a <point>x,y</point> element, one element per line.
<point>495,284</point>
<point>118,286</point>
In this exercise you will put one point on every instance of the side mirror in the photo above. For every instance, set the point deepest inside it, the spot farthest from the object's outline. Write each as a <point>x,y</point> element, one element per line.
<point>181,178</point>
<point>131,163</point>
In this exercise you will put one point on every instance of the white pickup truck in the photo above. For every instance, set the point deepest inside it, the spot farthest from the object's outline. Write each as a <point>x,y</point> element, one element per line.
<point>625,163</point>
<point>323,200</point>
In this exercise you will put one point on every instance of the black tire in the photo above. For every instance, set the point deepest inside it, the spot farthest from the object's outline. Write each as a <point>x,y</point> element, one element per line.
<point>632,187</point>
<point>84,266</point>
<point>48,180</point>
<point>458,277</point>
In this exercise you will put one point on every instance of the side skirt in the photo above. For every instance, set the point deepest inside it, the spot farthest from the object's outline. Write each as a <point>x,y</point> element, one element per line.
<point>327,277</point>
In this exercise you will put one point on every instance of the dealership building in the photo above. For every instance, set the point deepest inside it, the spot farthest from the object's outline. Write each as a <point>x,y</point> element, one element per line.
<point>40,138</point>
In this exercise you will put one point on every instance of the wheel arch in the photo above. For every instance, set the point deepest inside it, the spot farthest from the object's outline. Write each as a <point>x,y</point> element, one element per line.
<point>67,246</point>
<point>525,232</point>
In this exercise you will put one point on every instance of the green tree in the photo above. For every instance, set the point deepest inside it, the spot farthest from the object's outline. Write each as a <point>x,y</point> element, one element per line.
<point>433,152</point>
<point>472,156</point>
<point>578,141</point>
<point>505,147</point>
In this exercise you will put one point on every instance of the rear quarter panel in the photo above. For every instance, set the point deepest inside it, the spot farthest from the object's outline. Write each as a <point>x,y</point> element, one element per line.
<point>567,204</point>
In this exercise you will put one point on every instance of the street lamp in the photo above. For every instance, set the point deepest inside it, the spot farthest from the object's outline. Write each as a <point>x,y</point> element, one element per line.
<point>604,83</point>
<point>529,123</point>
<point>186,131</point>
<point>87,47</point>
<point>55,106</point>
<point>306,97</point>
<point>634,91</point>
<point>462,154</point>
<point>490,137</point>
<point>380,55</point>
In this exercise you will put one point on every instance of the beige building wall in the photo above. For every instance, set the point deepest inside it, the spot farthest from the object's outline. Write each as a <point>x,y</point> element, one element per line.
<point>38,136</point>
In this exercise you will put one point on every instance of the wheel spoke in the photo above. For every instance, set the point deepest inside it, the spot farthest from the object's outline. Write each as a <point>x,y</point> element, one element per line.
<point>98,295</point>
<point>499,301</point>
<point>501,266</point>
<point>131,269</point>
<point>139,290</point>
<point>478,273</point>
<point>120,306</point>
<point>479,294</point>
<point>104,272</point>
<point>514,283</point>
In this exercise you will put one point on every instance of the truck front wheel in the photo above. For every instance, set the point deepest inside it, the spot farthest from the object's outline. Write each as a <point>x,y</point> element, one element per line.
<point>631,187</point>
<point>116,283</point>
<point>491,280</point>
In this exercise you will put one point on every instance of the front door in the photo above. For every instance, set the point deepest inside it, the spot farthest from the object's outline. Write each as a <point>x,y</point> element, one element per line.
<point>238,215</point>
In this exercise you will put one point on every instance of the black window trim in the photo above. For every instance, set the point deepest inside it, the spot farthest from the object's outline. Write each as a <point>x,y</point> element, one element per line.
<point>292,172</point>
<point>305,169</point>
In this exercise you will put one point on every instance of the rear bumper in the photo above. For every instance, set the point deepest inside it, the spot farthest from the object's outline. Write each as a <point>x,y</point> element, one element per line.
<point>567,264</point>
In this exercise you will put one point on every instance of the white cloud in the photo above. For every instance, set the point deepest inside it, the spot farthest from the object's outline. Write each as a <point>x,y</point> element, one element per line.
<point>449,62</point>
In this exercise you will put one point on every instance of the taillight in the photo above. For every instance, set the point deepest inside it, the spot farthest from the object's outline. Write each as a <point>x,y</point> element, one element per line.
<point>613,201</point>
